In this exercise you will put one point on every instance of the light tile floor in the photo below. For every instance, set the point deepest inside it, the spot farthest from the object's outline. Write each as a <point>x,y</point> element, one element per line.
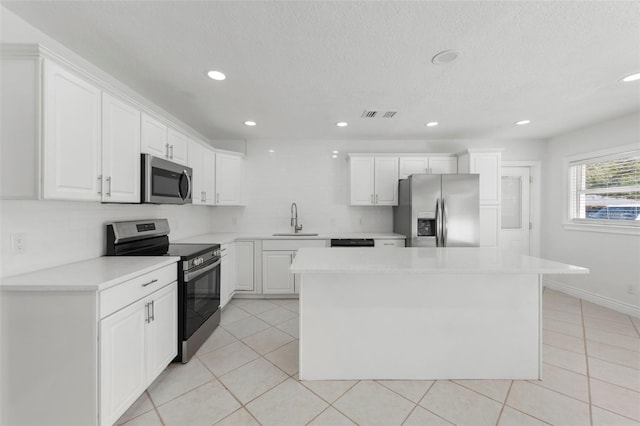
<point>246,374</point>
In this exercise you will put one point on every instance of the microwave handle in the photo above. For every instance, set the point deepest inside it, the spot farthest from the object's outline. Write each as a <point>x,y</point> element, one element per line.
<point>184,172</point>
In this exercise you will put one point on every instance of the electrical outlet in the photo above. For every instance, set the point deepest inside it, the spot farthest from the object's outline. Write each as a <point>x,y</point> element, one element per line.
<point>18,243</point>
<point>631,289</point>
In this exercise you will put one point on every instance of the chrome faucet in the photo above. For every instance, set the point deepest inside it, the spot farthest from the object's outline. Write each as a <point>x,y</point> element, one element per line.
<point>294,218</point>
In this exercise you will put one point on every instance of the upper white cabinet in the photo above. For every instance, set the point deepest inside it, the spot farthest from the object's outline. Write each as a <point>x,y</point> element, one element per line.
<point>120,151</point>
<point>177,148</point>
<point>373,180</point>
<point>487,165</point>
<point>229,179</point>
<point>203,162</point>
<point>71,136</point>
<point>420,164</point>
<point>154,137</point>
<point>209,176</point>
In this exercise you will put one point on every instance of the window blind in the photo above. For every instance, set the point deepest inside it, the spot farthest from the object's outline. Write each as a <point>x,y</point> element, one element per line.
<point>606,189</point>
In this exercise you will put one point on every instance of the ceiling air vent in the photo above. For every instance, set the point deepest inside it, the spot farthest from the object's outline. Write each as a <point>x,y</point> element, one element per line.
<point>378,114</point>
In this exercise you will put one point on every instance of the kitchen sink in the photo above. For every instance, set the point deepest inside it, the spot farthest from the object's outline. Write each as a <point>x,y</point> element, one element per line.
<point>299,234</point>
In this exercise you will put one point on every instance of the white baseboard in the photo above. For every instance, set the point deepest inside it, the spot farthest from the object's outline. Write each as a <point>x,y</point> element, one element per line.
<point>592,297</point>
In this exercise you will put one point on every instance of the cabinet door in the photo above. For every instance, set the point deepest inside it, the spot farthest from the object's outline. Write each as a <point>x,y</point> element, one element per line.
<point>209,169</point>
<point>72,146</point>
<point>412,165</point>
<point>122,361</point>
<point>228,179</point>
<point>161,330</point>
<point>488,166</point>
<point>276,278</point>
<point>361,181</point>
<point>120,151</point>
<point>154,137</point>
<point>244,266</point>
<point>196,162</point>
<point>386,181</point>
<point>178,147</point>
<point>489,226</point>
<point>443,165</point>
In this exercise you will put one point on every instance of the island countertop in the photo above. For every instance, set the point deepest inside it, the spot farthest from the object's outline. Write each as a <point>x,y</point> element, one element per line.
<point>424,260</point>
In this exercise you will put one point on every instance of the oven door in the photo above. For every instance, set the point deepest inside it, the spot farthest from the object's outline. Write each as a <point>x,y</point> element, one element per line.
<point>165,182</point>
<point>201,290</point>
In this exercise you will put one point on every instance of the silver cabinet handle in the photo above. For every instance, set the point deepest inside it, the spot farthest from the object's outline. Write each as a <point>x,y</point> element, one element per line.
<point>438,223</point>
<point>203,196</point>
<point>149,283</point>
<point>372,202</point>
<point>99,184</point>
<point>153,311</point>
<point>109,186</point>
<point>444,224</point>
<point>148,317</point>
<point>167,154</point>
<point>171,152</point>
<point>376,198</point>
<point>217,198</point>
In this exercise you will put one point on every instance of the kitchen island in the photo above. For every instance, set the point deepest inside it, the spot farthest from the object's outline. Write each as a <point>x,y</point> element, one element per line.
<point>421,313</point>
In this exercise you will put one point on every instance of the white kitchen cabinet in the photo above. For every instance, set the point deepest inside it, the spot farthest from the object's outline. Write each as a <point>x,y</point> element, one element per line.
<point>373,180</point>
<point>276,278</point>
<point>421,164</point>
<point>229,179</point>
<point>71,136</point>
<point>154,137</point>
<point>227,272</point>
<point>209,176</point>
<point>489,225</point>
<point>178,147</point>
<point>120,151</point>
<point>100,335</point>
<point>487,164</point>
<point>136,345</point>
<point>245,266</point>
<point>196,162</point>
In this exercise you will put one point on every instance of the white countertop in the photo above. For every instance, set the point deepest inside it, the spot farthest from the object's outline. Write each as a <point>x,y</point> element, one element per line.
<point>88,275</point>
<point>226,237</point>
<point>423,260</point>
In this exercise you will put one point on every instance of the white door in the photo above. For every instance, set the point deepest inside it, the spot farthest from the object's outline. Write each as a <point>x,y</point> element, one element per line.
<point>209,176</point>
<point>386,181</point>
<point>361,178</point>
<point>120,151</point>
<point>276,278</point>
<point>178,147</point>
<point>196,162</point>
<point>515,229</point>
<point>122,361</point>
<point>72,142</point>
<point>154,137</point>
<point>162,329</point>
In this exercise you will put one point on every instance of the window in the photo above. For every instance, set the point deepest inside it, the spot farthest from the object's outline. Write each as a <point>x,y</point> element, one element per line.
<point>605,190</point>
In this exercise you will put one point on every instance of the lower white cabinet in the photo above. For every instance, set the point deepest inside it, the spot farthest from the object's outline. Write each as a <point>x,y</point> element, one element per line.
<point>245,264</point>
<point>80,355</point>
<point>136,344</point>
<point>276,278</point>
<point>388,243</point>
<point>227,272</point>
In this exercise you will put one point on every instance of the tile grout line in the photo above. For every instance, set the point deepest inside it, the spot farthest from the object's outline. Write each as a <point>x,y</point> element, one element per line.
<point>504,403</point>
<point>586,359</point>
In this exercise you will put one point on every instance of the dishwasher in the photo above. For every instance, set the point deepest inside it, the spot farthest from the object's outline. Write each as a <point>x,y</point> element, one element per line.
<point>352,242</point>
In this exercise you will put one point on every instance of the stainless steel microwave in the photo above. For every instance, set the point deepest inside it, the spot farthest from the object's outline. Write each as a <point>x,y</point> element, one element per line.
<point>165,182</point>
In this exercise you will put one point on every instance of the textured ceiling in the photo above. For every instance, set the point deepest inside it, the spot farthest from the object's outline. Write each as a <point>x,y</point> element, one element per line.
<point>297,68</point>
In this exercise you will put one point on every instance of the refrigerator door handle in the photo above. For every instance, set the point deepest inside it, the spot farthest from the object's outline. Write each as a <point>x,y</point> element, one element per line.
<point>444,224</point>
<point>438,223</point>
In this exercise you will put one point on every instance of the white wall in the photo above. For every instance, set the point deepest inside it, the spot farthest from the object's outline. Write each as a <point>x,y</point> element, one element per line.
<point>303,171</point>
<point>614,259</point>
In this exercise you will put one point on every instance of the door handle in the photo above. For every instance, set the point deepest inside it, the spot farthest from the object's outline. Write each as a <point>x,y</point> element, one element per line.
<point>146,307</point>
<point>109,186</point>
<point>149,283</point>
<point>438,223</point>
<point>99,184</point>
<point>217,198</point>
<point>444,224</point>
<point>372,202</point>
<point>153,311</point>
<point>376,198</point>
<point>167,148</point>
<point>171,152</point>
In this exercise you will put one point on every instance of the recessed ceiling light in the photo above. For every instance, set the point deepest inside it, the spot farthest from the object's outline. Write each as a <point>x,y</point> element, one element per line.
<point>445,57</point>
<point>431,124</point>
<point>334,156</point>
<point>250,123</point>
<point>632,77</point>
<point>216,75</point>
<point>342,124</point>
<point>523,122</point>
<point>272,151</point>
<point>335,151</point>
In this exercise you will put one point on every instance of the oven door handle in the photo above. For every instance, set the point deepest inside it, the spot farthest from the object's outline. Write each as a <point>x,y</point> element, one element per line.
<point>188,276</point>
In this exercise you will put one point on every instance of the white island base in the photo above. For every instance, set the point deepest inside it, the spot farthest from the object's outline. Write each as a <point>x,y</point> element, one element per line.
<point>415,324</point>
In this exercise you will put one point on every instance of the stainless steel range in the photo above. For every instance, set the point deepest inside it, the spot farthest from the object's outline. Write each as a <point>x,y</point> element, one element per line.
<point>198,276</point>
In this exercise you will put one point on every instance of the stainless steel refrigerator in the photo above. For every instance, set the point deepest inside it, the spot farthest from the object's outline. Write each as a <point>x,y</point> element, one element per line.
<point>439,210</point>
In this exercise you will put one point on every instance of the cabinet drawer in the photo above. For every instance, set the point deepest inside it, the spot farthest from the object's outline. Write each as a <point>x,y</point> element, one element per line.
<point>389,243</point>
<point>291,244</point>
<point>115,298</point>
